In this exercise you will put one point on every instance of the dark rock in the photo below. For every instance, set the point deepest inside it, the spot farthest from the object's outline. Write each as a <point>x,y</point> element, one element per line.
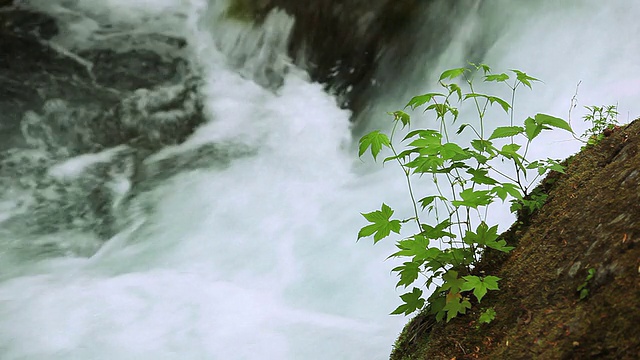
<point>77,125</point>
<point>344,43</point>
<point>589,223</point>
<point>34,70</point>
<point>132,70</point>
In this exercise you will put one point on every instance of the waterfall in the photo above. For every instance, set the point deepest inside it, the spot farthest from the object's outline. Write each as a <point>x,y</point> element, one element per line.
<point>234,238</point>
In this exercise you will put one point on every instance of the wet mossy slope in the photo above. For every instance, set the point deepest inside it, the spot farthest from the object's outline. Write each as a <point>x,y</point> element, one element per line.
<point>590,221</point>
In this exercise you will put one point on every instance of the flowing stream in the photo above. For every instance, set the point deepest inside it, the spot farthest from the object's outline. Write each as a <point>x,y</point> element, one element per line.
<point>253,255</point>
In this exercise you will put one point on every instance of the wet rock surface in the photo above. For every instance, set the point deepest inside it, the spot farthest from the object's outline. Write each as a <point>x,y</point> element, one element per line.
<point>359,48</point>
<point>78,127</point>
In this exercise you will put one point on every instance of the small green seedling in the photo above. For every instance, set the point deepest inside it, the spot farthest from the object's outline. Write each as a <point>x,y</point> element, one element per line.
<point>583,288</point>
<point>603,119</point>
<point>487,316</point>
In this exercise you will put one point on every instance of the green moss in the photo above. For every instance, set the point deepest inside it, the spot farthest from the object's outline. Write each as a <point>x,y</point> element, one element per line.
<point>243,10</point>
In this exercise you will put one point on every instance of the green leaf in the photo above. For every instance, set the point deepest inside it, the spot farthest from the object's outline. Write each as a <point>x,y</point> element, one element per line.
<point>543,165</point>
<point>412,301</point>
<point>455,305</point>
<point>505,189</point>
<point>452,73</point>
<point>524,78</point>
<point>461,128</point>
<point>510,151</point>
<point>584,293</point>
<point>416,247</point>
<point>473,198</point>
<point>537,165</point>
<point>544,119</point>
<point>480,286</point>
<point>557,167</point>
<point>482,145</point>
<point>482,235</point>
<point>450,150</point>
<point>437,301</point>
<point>485,68</point>
<point>438,231</point>
<point>401,156</point>
<point>479,176</point>
<point>457,257</point>
<point>374,140</point>
<point>442,110</point>
<point>408,273</point>
<point>486,236</point>
<point>425,134</point>
<point>482,160</point>
<point>427,200</point>
<point>532,128</point>
<point>421,100</point>
<point>498,78</point>
<point>426,142</point>
<point>381,225</point>
<point>426,164</point>
<point>487,316</point>
<point>492,99</point>
<point>505,105</point>
<point>402,117</point>
<point>451,282</point>
<point>454,88</point>
<point>506,131</point>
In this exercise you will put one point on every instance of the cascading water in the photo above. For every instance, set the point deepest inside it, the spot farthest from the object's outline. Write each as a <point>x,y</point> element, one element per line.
<point>238,243</point>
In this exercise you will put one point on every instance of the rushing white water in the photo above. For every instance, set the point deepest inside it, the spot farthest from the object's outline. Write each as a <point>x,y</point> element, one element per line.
<point>258,260</point>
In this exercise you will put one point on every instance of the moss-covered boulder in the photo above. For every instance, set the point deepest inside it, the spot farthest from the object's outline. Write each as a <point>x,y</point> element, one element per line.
<point>549,307</point>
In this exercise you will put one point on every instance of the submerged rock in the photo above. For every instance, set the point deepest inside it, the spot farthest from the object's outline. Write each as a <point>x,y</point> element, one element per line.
<point>78,124</point>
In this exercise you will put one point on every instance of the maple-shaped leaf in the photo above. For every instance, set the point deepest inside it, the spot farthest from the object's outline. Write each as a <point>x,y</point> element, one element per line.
<point>480,286</point>
<point>412,301</point>
<point>438,231</point>
<point>480,176</point>
<point>487,236</point>
<point>374,140</point>
<point>474,198</point>
<point>381,226</point>
<point>451,282</point>
<point>455,304</point>
<point>487,316</point>
<point>408,273</point>
<point>416,247</point>
<point>505,189</point>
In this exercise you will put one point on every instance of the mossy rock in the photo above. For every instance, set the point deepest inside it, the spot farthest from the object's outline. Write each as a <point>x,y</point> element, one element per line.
<point>590,221</point>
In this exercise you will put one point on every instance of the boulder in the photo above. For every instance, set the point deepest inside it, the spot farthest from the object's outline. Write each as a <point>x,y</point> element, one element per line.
<point>571,287</point>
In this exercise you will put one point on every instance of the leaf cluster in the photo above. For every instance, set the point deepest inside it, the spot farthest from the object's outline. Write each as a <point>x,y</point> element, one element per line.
<point>583,289</point>
<point>602,119</point>
<point>457,233</point>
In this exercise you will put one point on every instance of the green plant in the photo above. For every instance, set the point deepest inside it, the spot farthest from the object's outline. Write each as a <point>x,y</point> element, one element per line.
<point>603,119</point>
<point>468,176</point>
<point>583,288</point>
<point>487,316</point>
